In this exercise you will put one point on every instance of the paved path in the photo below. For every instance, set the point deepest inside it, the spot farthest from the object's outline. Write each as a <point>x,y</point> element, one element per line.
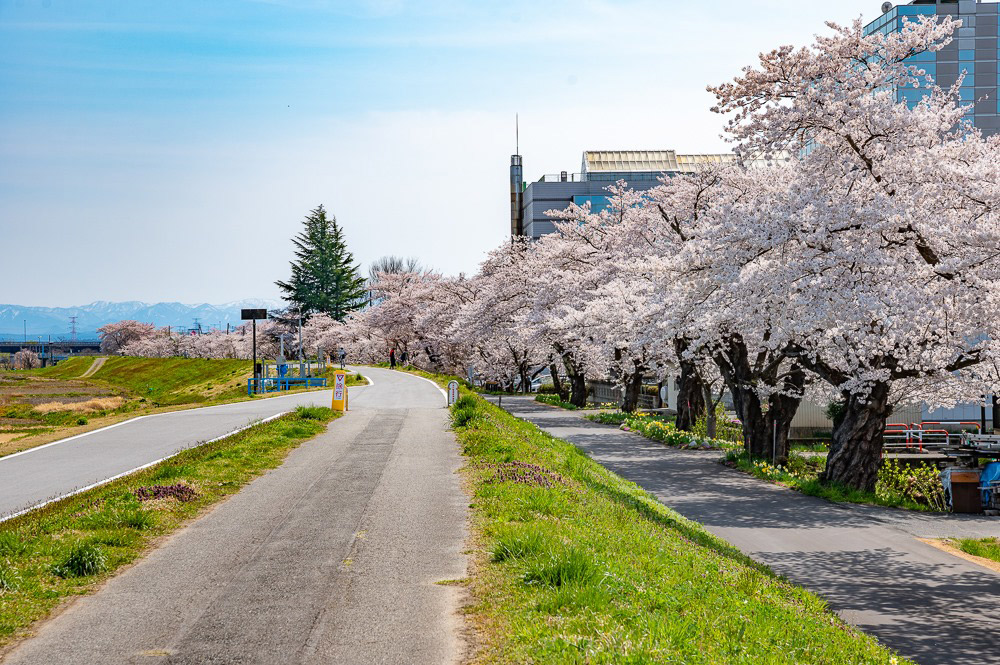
<point>94,366</point>
<point>39,474</point>
<point>331,558</point>
<point>866,561</point>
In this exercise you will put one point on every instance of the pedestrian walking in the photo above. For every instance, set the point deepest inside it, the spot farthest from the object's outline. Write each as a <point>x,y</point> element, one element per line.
<point>403,358</point>
<point>343,357</point>
<point>392,358</point>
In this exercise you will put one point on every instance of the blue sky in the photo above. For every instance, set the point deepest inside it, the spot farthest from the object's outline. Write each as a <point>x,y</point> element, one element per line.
<point>167,150</point>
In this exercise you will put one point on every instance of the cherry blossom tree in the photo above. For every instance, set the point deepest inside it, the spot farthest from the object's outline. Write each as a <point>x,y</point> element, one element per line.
<point>887,253</point>
<point>25,359</point>
<point>116,336</point>
<point>596,291</point>
<point>501,348</point>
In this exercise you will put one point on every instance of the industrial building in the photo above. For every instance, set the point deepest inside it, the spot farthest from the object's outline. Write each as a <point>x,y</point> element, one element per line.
<point>973,50</point>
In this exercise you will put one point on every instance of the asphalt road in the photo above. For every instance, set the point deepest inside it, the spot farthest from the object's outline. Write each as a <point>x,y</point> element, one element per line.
<point>334,557</point>
<point>867,562</point>
<point>56,469</point>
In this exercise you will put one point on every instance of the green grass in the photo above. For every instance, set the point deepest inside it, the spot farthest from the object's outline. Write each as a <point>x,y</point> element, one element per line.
<point>70,368</point>
<point>68,547</point>
<point>554,400</point>
<point>170,381</point>
<point>577,565</point>
<point>988,548</point>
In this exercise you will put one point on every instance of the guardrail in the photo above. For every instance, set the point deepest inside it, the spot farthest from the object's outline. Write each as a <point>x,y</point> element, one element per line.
<point>276,384</point>
<point>921,437</point>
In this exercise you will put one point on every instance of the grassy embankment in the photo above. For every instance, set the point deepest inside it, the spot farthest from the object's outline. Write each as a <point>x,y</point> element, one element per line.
<point>164,381</point>
<point>69,547</point>
<point>573,564</point>
<point>43,405</point>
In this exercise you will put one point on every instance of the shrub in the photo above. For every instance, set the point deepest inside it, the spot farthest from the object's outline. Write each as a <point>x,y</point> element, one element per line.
<point>81,421</point>
<point>84,559</point>
<point>725,429</point>
<point>920,484</point>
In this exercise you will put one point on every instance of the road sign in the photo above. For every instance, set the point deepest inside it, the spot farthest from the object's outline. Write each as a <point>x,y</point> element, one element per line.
<point>339,390</point>
<point>253,314</point>
<point>452,392</point>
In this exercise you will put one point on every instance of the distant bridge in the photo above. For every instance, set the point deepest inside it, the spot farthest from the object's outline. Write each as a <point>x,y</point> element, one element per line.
<point>44,348</point>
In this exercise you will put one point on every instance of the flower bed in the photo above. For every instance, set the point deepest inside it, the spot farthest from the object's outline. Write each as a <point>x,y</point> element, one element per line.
<point>657,428</point>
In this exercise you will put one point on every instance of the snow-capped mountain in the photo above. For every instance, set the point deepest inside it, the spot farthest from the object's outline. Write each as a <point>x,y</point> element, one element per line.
<point>55,321</point>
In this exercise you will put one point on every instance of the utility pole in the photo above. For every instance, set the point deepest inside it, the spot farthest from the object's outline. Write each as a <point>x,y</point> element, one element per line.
<point>25,322</point>
<point>72,329</point>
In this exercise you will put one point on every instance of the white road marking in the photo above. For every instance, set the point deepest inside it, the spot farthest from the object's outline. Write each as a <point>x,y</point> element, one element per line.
<point>151,415</point>
<point>440,389</point>
<point>136,469</point>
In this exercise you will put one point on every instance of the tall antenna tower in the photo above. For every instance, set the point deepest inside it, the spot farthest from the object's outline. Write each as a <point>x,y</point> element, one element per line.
<point>72,328</point>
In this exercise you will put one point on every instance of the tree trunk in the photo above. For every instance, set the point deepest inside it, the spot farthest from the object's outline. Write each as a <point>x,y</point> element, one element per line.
<point>524,372</point>
<point>633,388</point>
<point>765,434</point>
<point>710,416</point>
<point>557,382</point>
<point>575,374</point>
<point>690,395</point>
<point>856,449</point>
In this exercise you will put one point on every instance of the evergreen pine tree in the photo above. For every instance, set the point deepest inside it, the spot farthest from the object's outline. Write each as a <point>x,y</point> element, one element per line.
<point>324,277</point>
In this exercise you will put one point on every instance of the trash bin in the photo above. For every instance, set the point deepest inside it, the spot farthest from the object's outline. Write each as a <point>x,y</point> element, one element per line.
<point>961,487</point>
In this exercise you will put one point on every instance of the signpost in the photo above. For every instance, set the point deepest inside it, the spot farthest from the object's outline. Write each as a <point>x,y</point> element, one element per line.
<point>339,390</point>
<point>452,392</point>
<point>253,315</point>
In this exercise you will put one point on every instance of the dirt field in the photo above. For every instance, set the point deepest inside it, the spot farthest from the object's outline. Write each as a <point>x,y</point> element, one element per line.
<point>32,406</point>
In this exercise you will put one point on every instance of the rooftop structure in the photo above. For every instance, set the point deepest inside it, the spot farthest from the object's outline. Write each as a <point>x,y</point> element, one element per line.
<point>640,169</point>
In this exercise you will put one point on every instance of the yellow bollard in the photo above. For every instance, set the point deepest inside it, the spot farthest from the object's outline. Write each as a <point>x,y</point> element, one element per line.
<point>339,390</point>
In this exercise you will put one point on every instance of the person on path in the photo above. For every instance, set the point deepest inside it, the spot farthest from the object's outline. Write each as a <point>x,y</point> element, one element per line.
<point>403,357</point>
<point>392,358</point>
<point>343,356</point>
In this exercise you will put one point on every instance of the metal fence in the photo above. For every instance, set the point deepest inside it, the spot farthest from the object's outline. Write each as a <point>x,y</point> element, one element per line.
<point>606,393</point>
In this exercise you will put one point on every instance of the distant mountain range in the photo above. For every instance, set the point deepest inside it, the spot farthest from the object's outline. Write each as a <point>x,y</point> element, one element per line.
<point>55,321</point>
